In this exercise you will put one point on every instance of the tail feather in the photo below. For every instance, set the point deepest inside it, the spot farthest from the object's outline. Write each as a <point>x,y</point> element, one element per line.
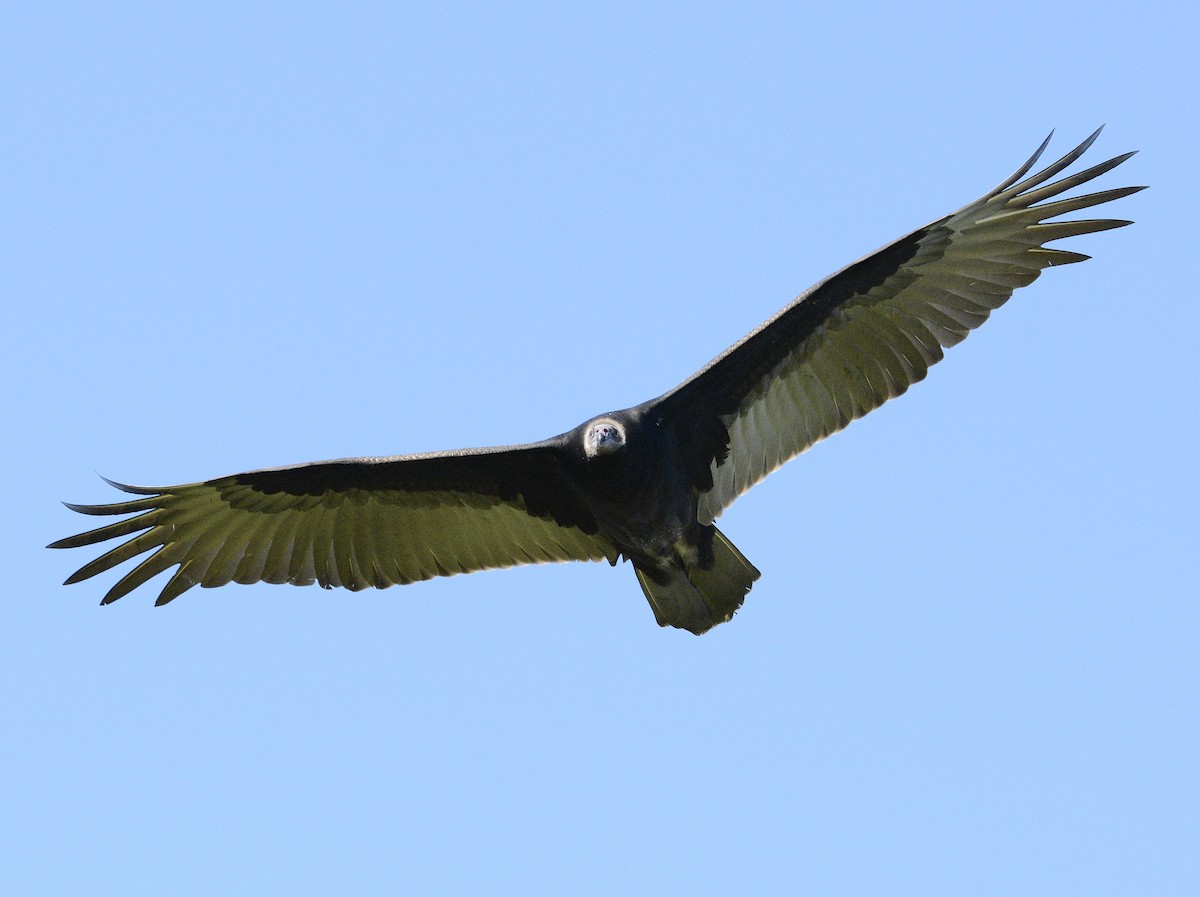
<point>696,597</point>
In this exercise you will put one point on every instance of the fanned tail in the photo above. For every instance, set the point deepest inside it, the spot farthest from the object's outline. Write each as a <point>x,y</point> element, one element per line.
<point>698,597</point>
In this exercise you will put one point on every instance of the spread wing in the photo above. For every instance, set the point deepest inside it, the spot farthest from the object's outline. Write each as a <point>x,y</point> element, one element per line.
<point>873,329</point>
<point>353,523</point>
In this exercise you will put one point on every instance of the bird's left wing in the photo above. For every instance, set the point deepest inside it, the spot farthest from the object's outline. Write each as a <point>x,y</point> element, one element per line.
<point>352,523</point>
<point>873,329</point>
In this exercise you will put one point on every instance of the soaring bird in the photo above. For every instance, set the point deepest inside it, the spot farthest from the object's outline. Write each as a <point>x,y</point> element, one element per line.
<point>643,484</point>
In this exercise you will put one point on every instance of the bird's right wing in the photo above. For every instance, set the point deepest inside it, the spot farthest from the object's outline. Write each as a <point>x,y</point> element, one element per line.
<point>352,523</point>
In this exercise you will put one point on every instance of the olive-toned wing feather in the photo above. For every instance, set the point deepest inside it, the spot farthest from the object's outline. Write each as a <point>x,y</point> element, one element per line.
<point>353,523</point>
<point>873,329</point>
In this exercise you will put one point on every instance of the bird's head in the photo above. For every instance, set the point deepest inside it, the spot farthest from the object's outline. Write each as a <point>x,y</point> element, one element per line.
<point>603,436</point>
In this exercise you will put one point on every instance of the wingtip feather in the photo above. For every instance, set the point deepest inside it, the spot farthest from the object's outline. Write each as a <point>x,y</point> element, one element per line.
<point>179,583</point>
<point>1027,167</point>
<point>132,490</point>
<point>78,576</point>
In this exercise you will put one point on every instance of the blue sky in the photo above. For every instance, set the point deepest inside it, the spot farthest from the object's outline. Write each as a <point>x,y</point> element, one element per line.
<point>246,235</point>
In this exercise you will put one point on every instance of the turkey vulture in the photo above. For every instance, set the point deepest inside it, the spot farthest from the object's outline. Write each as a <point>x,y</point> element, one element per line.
<point>644,484</point>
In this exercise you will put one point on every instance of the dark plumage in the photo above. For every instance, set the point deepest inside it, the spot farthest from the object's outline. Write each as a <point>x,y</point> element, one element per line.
<point>644,484</point>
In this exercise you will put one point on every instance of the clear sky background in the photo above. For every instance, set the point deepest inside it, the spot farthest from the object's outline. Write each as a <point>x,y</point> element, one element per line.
<point>243,235</point>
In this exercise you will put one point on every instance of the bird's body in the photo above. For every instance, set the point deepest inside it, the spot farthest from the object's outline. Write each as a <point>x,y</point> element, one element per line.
<point>645,483</point>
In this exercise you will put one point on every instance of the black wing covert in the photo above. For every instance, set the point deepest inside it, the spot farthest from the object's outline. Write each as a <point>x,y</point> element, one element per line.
<point>867,333</point>
<point>353,523</point>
